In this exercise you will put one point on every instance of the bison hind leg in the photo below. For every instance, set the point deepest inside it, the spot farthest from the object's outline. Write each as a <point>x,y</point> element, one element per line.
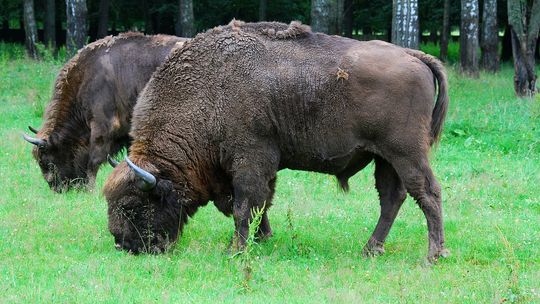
<point>392,193</point>
<point>422,185</point>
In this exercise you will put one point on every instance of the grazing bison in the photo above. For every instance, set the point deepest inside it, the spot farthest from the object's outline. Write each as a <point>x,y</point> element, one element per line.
<point>238,103</point>
<point>90,111</point>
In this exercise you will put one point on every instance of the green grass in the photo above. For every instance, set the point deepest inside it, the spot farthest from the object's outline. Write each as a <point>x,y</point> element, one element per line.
<point>57,249</point>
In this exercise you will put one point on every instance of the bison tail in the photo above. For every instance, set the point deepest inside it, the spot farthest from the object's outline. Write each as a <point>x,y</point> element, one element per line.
<point>441,105</point>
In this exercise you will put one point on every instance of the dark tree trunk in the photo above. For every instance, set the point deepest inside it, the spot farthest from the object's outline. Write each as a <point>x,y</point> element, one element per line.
<point>149,27</point>
<point>348,18</point>
<point>337,18</point>
<point>263,4</point>
<point>50,24</point>
<point>433,37</point>
<point>30,29</point>
<point>77,29</point>
<point>490,37</point>
<point>469,37</point>
<point>445,33</point>
<point>367,32</point>
<point>321,16</point>
<point>103,23</point>
<point>524,22</point>
<point>186,26</point>
<point>506,53</point>
<point>405,30</point>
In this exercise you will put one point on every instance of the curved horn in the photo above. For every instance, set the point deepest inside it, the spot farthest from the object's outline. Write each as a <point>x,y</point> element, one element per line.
<point>33,130</point>
<point>112,161</point>
<point>35,141</point>
<point>149,180</point>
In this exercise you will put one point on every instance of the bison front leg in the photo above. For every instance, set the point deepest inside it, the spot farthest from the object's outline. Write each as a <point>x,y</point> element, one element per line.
<point>253,188</point>
<point>392,193</point>
<point>265,231</point>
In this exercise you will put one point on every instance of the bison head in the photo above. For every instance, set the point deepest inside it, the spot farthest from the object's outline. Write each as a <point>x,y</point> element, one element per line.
<point>63,168</point>
<point>145,212</point>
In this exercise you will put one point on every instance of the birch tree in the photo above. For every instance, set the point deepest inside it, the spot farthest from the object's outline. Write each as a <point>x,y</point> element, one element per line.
<point>490,37</point>
<point>30,29</point>
<point>77,29</point>
<point>405,23</point>
<point>524,20</point>
<point>186,19</point>
<point>327,16</point>
<point>320,15</point>
<point>469,37</point>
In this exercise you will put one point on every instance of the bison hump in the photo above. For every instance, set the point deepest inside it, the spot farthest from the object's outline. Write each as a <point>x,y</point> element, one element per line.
<point>272,30</point>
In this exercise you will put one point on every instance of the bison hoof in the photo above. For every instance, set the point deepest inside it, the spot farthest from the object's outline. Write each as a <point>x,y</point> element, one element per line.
<point>433,257</point>
<point>373,249</point>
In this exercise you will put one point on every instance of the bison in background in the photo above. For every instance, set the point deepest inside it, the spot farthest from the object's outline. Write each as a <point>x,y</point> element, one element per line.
<point>238,103</point>
<point>89,114</point>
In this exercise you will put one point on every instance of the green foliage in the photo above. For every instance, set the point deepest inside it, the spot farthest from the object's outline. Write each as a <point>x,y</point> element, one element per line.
<point>56,248</point>
<point>434,49</point>
<point>10,51</point>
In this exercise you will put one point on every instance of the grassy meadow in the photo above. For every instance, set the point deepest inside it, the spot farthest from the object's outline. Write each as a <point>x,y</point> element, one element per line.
<point>55,248</point>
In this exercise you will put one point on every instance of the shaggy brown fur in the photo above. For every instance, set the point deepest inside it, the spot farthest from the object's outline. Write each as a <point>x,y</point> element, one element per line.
<point>238,103</point>
<point>90,111</point>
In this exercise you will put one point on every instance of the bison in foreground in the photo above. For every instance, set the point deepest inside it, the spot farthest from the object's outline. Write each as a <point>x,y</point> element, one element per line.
<point>238,103</point>
<point>90,111</point>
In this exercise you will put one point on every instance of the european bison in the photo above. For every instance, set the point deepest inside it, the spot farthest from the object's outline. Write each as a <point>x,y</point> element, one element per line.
<point>89,114</point>
<point>238,103</point>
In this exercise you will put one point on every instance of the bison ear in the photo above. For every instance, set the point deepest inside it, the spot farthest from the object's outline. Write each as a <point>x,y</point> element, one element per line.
<point>33,130</point>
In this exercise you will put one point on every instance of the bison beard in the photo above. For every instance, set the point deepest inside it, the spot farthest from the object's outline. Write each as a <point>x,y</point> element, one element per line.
<point>90,111</point>
<point>238,103</point>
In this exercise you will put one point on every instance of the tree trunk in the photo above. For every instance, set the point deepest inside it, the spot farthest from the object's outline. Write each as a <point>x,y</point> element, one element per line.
<point>50,25</point>
<point>348,18</point>
<point>469,37</point>
<point>490,37</point>
<point>149,27</point>
<point>338,16</point>
<point>506,53</point>
<point>263,4</point>
<point>186,18</point>
<point>30,29</point>
<point>524,38</point>
<point>103,23</point>
<point>77,29</point>
<point>320,16</point>
<point>327,16</point>
<point>405,23</point>
<point>433,37</point>
<point>445,33</point>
